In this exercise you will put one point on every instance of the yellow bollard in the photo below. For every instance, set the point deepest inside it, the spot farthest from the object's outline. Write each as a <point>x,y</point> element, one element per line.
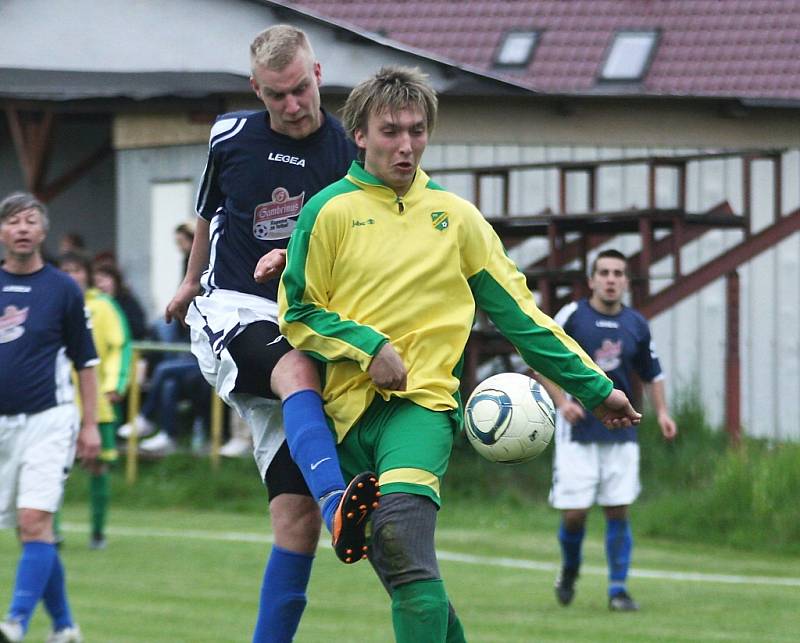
<point>216,428</point>
<point>134,400</point>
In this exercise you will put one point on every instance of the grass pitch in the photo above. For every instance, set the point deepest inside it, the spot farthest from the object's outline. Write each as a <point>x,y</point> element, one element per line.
<point>192,576</point>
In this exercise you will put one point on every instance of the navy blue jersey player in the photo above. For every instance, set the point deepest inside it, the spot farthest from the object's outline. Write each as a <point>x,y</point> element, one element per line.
<point>256,181</point>
<point>44,332</point>
<point>262,167</point>
<point>595,465</point>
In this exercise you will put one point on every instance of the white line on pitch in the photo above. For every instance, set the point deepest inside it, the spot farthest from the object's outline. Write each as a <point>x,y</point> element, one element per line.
<point>468,559</point>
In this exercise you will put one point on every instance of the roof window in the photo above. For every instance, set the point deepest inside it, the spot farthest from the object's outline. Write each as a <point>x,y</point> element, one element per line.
<point>629,56</point>
<point>516,49</point>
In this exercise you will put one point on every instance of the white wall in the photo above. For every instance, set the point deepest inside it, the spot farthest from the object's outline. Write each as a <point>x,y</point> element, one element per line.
<point>171,203</point>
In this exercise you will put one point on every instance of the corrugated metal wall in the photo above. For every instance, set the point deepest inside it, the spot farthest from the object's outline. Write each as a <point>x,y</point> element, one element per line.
<point>691,337</point>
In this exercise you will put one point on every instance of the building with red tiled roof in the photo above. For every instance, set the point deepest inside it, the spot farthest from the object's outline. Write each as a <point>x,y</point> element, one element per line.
<point>747,49</point>
<point>114,135</point>
<point>611,79</point>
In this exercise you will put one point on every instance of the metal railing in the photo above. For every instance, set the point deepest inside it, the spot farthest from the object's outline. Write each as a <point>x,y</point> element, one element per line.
<point>134,403</point>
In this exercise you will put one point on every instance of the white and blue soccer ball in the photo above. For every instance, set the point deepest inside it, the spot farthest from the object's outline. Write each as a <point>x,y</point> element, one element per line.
<point>509,418</point>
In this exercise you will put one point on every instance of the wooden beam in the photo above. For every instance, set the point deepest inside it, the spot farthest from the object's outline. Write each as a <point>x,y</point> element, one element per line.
<point>79,169</point>
<point>32,136</point>
<point>733,419</point>
<point>726,262</point>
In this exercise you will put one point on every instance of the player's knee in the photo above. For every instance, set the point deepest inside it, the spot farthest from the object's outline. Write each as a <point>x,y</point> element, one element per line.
<point>294,372</point>
<point>35,525</point>
<point>403,540</point>
<point>574,519</point>
<point>296,522</point>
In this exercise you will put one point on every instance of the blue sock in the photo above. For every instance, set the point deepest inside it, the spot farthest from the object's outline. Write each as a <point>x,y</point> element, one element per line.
<point>33,571</point>
<point>283,596</point>
<point>619,544</point>
<point>313,448</point>
<point>55,597</point>
<point>571,542</point>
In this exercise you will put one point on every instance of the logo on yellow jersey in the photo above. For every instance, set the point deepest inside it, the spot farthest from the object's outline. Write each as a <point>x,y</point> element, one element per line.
<point>357,223</point>
<point>439,220</point>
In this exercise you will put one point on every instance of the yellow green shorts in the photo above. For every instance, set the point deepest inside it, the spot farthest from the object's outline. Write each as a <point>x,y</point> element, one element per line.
<point>407,445</point>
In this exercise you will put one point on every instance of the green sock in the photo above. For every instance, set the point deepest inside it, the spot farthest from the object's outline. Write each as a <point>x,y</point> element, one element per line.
<point>99,495</point>
<point>419,612</point>
<point>455,631</point>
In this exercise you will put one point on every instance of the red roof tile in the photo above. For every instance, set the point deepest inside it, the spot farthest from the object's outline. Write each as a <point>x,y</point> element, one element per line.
<point>730,48</point>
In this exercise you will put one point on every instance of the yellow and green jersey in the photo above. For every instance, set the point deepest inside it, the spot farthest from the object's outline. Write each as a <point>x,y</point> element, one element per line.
<point>365,267</point>
<point>113,344</point>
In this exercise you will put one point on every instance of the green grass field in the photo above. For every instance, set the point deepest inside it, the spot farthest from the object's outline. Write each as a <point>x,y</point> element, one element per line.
<point>190,576</point>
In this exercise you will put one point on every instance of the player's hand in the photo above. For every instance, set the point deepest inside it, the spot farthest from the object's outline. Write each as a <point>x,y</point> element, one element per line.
<point>179,306</point>
<point>387,369</point>
<point>571,411</point>
<point>616,411</point>
<point>270,266</point>
<point>113,397</point>
<point>668,427</point>
<point>88,446</point>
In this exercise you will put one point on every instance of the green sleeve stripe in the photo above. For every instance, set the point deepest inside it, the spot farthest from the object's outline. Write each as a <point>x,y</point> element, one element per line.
<point>458,413</point>
<point>361,339</point>
<point>541,342</point>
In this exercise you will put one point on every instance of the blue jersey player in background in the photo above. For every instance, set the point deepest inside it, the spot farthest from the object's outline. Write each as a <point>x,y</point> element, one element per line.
<point>595,465</point>
<point>262,167</point>
<point>44,331</point>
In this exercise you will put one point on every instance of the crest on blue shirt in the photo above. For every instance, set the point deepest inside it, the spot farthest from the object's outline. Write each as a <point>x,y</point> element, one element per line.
<point>12,323</point>
<point>439,220</point>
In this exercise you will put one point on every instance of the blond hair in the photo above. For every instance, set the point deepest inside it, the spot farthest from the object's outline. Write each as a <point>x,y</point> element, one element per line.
<point>277,46</point>
<point>392,88</point>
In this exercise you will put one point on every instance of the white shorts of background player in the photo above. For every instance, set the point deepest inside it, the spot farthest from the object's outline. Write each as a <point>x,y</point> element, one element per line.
<point>37,452</point>
<point>585,474</point>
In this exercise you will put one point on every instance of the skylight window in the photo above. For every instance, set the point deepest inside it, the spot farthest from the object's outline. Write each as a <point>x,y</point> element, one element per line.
<point>629,56</point>
<point>516,50</point>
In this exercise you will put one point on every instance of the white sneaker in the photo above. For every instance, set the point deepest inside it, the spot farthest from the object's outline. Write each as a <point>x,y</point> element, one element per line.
<point>11,631</point>
<point>67,635</point>
<point>236,448</point>
<point>141,424</point>
<point>160,444</point>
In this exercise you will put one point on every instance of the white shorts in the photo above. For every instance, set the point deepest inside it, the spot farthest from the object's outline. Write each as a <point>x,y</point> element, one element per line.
<point>36,454</point>
<point>213,322</point>
<point>584,474</point>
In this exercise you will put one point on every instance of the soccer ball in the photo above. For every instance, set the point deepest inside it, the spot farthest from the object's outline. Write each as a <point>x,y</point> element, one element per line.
<point>509,418</point>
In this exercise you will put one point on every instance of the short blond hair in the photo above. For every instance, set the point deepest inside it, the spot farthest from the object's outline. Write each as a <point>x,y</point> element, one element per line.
<point>277,46</point>
<point>392,89</point>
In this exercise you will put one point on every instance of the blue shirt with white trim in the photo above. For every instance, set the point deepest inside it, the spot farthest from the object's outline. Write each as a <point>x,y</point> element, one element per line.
<point>253,188</point>
<point>44,330</point>
<point>621,345</point>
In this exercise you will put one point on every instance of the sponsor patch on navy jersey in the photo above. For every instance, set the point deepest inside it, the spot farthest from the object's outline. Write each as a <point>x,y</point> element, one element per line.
<point>276,219</point>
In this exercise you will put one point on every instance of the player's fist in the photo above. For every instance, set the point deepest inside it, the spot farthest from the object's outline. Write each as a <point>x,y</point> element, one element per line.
<point>179,306</point>
<point>270,266</point>
<point>88,446</point>
<point>571,411</point>
<point>387,369</point>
